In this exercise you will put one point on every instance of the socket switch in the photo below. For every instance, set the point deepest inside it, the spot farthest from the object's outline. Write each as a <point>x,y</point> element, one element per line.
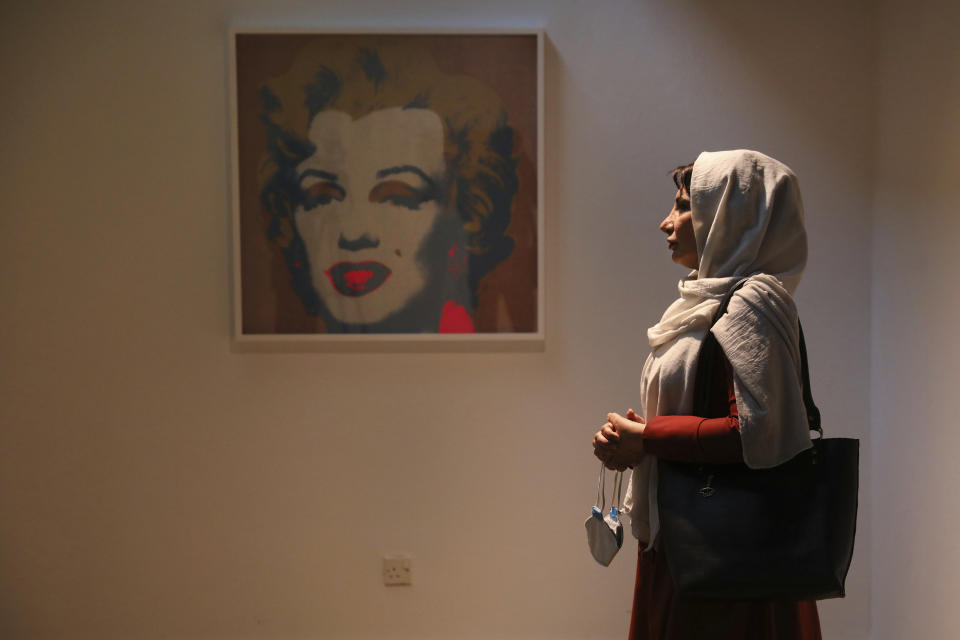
<point>397,570</point>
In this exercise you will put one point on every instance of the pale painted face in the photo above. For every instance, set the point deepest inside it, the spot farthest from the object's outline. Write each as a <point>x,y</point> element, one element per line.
<point>371,196</point>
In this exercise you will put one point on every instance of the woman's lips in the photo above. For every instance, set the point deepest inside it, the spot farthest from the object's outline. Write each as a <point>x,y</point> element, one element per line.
<point>355,279</point>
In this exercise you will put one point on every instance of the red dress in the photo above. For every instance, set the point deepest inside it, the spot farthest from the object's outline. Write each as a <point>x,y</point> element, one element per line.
<point>658,613</point>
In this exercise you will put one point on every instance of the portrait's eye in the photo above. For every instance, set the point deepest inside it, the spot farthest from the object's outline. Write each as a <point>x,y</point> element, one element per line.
<point>683,204</point>
<point>318,192</point>
<point>398,193</point>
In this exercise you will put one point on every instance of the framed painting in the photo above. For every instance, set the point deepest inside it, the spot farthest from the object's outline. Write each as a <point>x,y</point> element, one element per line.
<point>387,190</point>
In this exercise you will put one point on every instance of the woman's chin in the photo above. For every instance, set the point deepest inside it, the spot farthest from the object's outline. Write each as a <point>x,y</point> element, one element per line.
<point>351,311</point>
<point>684,260</point>
<point>376,307</point>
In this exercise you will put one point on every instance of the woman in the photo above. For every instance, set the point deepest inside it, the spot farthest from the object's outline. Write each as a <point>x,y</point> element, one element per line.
<point>389,185</point>
<point>736,214</point>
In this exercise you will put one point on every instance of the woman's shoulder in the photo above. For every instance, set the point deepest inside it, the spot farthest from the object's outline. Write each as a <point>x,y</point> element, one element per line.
<point>766,293</point>
<point>761,306</point>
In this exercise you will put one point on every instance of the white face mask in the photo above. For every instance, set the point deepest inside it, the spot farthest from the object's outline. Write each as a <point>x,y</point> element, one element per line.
<point>604,531</point>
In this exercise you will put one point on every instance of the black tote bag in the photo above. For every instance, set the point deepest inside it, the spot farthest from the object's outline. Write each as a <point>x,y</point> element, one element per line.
<point>785,533</point>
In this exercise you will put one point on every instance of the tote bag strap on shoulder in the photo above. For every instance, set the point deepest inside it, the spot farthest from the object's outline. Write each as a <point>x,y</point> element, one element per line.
<point>710,352</point>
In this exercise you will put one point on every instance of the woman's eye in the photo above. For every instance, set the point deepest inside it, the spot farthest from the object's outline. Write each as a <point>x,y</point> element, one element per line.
<point>398,193</point>
<point>321,193</point>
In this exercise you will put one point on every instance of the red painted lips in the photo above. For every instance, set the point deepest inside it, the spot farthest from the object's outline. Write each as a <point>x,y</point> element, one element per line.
<point>355,279</point>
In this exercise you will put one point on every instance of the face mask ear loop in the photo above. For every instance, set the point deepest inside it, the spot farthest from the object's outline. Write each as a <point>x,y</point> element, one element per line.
<point>618,499</point>
<point>601,493</point>
<point>619,480</point>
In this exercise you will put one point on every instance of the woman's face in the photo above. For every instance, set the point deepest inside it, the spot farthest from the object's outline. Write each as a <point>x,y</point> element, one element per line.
<point>678,225</point>
<point>371,195</point>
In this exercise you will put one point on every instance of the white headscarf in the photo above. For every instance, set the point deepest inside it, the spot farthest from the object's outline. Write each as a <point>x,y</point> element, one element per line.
<point>748,222</point>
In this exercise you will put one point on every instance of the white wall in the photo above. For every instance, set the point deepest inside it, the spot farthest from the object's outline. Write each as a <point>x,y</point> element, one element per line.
<point>914,341</point>
<point>155,484</point>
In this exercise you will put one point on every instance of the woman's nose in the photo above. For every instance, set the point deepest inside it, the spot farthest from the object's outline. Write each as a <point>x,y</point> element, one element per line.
<point>365,241</point>
<point>357,229</point>
<point>667,225</point>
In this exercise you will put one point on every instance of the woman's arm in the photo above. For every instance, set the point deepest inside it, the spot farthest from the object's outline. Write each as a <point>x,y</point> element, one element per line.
<point>623,440</point>
<point>697,438</point>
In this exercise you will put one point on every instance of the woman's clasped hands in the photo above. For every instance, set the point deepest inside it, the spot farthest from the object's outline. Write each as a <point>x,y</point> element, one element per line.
<point>619,442</point>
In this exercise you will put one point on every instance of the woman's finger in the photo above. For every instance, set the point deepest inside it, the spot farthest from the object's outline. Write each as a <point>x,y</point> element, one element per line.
<point>620,423</point>
<point>615,464</point>
<point>609,433</point>
<point>605,455</point>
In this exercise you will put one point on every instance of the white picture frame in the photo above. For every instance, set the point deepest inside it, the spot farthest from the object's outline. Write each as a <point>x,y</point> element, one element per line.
<point>485,87</point>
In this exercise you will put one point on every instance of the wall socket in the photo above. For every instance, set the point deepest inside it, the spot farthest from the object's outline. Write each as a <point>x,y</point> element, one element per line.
<point>397,570</point>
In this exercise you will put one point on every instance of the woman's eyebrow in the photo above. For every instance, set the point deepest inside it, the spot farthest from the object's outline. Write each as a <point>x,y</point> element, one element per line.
<point>406,168</point>
<point>326,175</point>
